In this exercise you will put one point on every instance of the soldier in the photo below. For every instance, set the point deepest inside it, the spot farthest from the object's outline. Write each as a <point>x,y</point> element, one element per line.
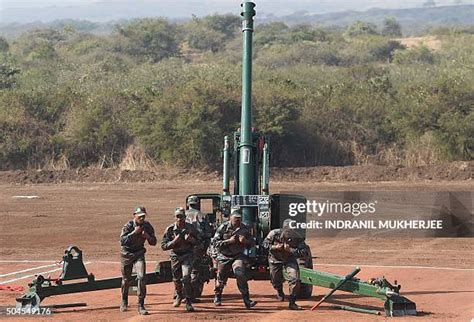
<point>181,238</point>
<point>199,220</point>
<point>132,240</point>
<point>285,245</point>
<point>230,241</point>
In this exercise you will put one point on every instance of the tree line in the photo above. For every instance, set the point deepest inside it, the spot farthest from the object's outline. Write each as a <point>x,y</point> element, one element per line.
<point>326,96</point>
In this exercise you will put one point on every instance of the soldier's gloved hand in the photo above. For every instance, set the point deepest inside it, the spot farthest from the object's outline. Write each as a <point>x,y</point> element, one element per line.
<point>242,239</point>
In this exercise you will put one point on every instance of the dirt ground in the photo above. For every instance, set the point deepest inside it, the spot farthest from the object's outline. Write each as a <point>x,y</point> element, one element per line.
<point>436,273</point>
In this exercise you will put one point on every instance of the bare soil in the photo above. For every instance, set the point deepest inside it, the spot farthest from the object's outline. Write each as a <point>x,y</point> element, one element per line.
<point>368,173</point>
<point>436,273</point>
<point>432,42</point>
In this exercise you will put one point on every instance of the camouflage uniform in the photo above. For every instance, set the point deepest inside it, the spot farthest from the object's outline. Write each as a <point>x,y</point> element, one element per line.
<point>133,254</point>
<point>231,256</point>
<point>181,256</point>
<point>280,260</point>
<point>201,224</point>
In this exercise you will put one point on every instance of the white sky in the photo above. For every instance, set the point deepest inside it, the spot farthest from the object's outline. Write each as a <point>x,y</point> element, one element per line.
<point>226,3</point>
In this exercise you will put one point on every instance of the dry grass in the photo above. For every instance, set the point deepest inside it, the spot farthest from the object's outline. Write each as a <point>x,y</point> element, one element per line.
<point>432,42</point>
<point>60,164</point>
<point>423,151</point>
<point>135,158</point>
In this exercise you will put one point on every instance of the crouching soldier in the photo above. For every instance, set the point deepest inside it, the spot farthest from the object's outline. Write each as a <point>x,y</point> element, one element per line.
<point>132,253</point>
<point>285,245</point>
<point>230,241</point>
<point>181,238</point>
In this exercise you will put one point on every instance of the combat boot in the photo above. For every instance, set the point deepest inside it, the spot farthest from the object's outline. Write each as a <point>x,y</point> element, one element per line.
<point>177,301</point>
<point>293,305</point>
<point>124,305</point>
<point>189,305</point>
<point>247,301</point>
<point>218,299</point>
<point>280,295</point>
<point>141,308</point>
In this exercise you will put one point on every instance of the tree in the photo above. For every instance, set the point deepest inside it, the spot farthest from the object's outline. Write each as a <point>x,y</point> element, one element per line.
<point>391,28</point>
<point>7,76</point>
<point>4,45</point>
<point>38,44</point>
<point>149,39</point>
<point>272,32</point>
<point>211,32</point>
<point>360,28</point>
<point>227,24</point>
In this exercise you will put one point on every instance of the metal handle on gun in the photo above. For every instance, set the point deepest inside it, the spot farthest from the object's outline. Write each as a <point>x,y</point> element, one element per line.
<point>338,286</point>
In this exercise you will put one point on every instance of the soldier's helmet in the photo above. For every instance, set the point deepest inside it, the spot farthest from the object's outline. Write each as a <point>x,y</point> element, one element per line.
<point>193,200</point>
<point>236,212</point>
<point>286,223</point>
<point>179,212</point>
<point>291,237</point>
<point>139,211</point>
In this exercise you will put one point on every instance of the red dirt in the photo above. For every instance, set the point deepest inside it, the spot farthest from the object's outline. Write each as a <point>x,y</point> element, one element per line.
<point>91,215</point>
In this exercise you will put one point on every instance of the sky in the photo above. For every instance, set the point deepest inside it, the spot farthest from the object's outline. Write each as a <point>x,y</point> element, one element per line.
<point>106,10</point>
<point>355,4</point>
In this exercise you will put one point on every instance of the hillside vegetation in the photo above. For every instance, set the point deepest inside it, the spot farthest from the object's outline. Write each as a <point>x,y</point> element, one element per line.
<point>158,92</point>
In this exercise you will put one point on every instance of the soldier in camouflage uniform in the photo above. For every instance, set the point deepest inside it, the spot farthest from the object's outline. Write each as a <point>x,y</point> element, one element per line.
<point>181,238</point>
<point>132,240</point>
<point>200,221</point>
<point>230,241</point>
<point>285,245</point>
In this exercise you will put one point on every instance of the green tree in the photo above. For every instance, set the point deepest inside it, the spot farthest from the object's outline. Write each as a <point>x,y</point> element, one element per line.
<point>38,44</point>
<point>95,134</point>
<point>360,28</point>
<point>416,55</point>
<point>149,39</point>
<point>391,28</point>
<point>273,32</point>
<point>211,32</point>
<point>7,76</point>
<point>3,45</point>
